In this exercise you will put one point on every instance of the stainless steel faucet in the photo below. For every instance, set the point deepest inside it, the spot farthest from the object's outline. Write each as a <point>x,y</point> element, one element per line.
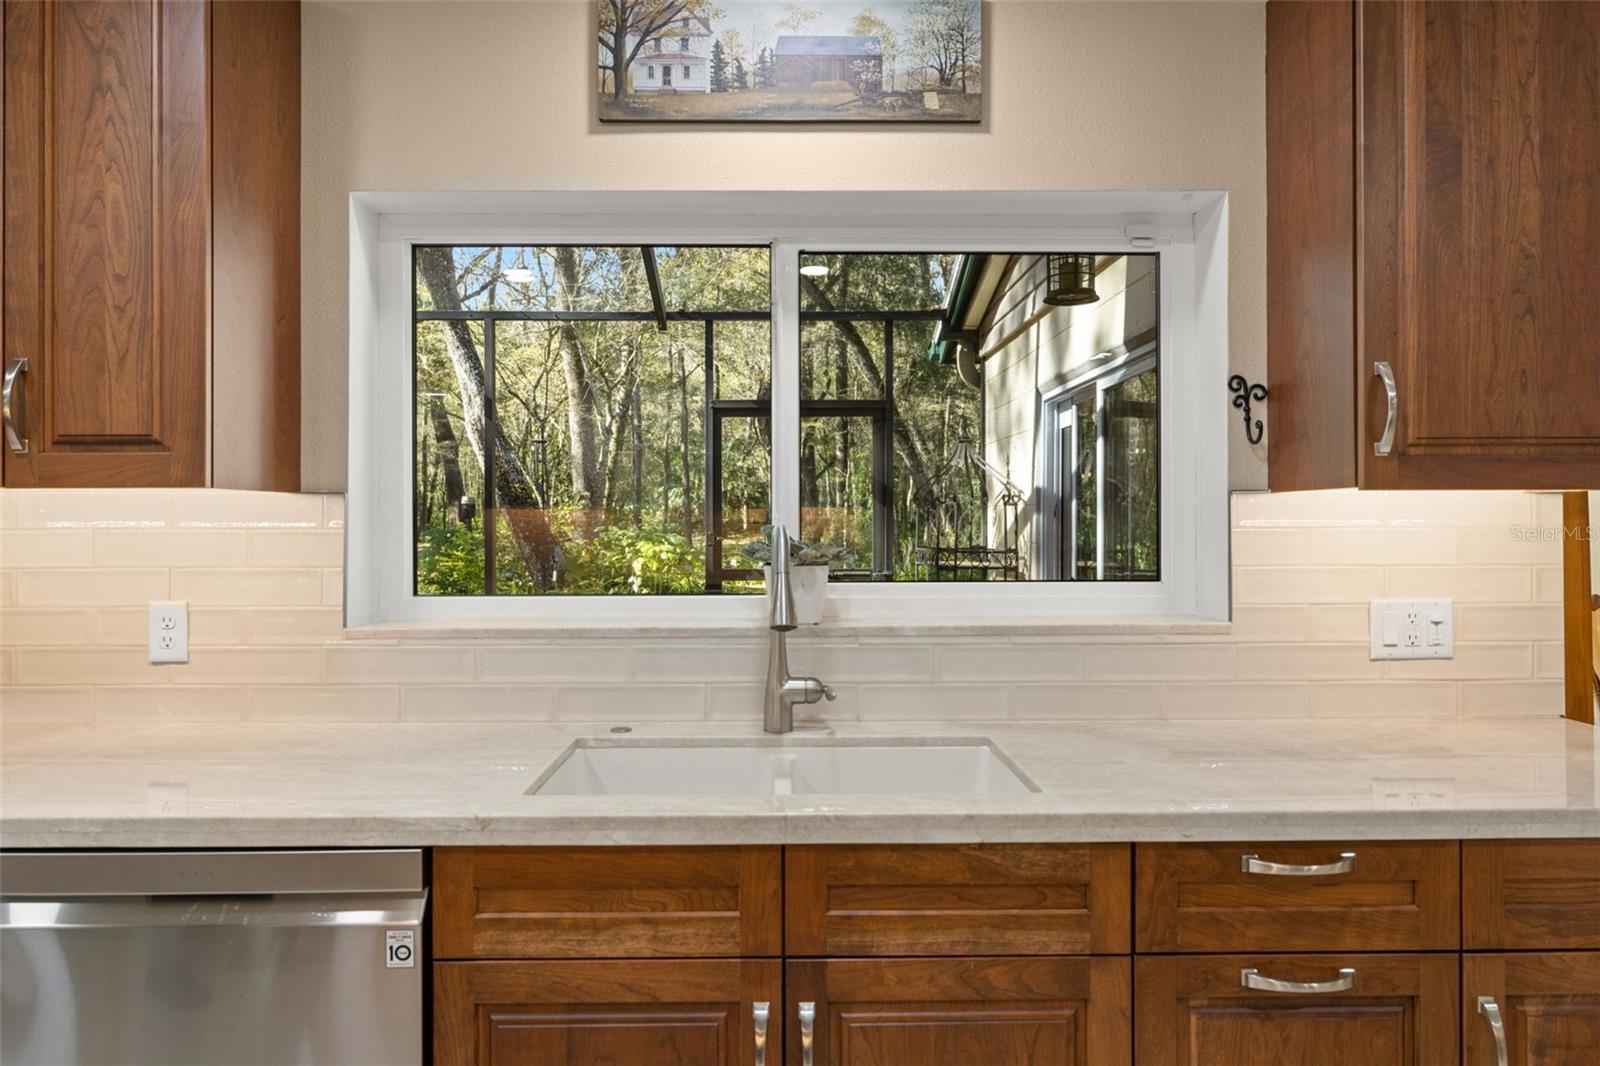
<point>783,691</point>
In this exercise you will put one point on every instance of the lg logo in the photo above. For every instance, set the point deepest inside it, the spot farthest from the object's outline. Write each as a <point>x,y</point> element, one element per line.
<point>400,949</point>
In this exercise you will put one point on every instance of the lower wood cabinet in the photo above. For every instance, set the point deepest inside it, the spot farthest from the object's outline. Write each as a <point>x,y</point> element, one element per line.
<point>654,1012</point>
<point>1398,1010</point>
<point>1531,1009</point>
<point>1038,1011</point>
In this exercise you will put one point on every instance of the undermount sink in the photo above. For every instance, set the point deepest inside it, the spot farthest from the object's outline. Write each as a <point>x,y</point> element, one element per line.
<point>756,768</point>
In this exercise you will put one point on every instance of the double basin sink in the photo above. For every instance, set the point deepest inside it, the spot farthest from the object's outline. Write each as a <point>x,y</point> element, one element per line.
<point>774,768</point>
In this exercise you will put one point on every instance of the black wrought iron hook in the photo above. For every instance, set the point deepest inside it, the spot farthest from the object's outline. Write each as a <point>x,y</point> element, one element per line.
<point>1244,394</point>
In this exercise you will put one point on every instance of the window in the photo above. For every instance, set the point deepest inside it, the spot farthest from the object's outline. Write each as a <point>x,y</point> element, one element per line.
<point>683,45</point>
<point>583,422</point>
<point>650,72</point>
<point>686,72</point>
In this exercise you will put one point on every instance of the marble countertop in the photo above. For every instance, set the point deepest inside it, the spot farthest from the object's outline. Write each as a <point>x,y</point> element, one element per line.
<point>106,784</point>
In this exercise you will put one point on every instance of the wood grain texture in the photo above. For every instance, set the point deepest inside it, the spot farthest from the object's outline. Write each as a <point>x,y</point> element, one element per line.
<point>1479,277</point>
<point>107,212</point>
<point>1311,234</point>
<point>964,1012</point>
<point>1550,1004</point>
<point>255,363</point>
<point>1041,899</point>
<point>608,902</point>
<point>1531,894</point>
<point>611,1013</point>
<point>1193,1011</point>
<point>1401,896</point>
<point>1577,608</point>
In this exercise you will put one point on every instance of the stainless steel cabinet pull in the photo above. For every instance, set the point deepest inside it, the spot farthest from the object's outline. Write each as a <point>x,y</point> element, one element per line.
<point>16,422</point>
<point>1253,864</point>
<point>1491,1012</point>
<point>1391,395</point>
<point>808,1026</point>
<point>1251,978</point>
<point>762,1011</point>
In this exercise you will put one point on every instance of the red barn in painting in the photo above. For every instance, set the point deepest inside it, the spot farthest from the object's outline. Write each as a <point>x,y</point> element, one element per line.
<point>800,62</point>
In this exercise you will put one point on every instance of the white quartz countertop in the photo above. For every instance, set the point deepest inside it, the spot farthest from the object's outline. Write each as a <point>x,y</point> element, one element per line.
<point>103,784</point>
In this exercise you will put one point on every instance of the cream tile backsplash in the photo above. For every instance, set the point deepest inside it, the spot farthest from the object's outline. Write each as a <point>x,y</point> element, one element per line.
<point>261,574</point>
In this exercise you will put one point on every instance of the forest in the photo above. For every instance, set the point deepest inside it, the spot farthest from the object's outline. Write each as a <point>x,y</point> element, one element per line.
<point>565,442</point>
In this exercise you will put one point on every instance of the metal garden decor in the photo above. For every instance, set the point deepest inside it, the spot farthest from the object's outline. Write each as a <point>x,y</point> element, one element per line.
<point>955,543</point>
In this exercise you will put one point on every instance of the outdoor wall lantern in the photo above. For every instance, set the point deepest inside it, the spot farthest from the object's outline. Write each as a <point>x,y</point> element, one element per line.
<point>1071,279</point>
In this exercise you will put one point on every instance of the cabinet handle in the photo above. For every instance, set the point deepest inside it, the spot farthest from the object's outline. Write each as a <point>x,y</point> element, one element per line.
<point>808,1026</point>
<point>1251,978</point>
<point>1252,864</point>
<point>1391,395</point>
<point>762,1011</point>
<point>15,421</point>
<point>1491,1013</point>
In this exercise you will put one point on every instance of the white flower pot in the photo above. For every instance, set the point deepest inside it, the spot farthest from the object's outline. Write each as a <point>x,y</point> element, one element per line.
<point>810,584</point>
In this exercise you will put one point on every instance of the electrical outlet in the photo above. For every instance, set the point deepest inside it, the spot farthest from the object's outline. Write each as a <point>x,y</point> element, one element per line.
<point>169,631</point>
<point>1413,629</point>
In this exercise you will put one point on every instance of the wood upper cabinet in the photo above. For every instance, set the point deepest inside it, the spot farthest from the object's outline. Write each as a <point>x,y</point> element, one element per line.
<point>1034,899</point>
<point>1547,1007</point>
<point>1398,1010</point>
<point>678,1012</point>
<point>1432,206</point>
<point>621,902</point>
<point>1270,896</point>
<point>960,1012</point>
<point>151,243</point>
<point>1531,894</point>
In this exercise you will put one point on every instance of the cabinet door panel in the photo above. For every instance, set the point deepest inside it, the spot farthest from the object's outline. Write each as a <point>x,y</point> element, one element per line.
<point>1531,893</point>
<point>1480,278</point>
<point>1398,896</point>
<point>1549,1005</point>
<point>990,899</point>
<point>587,1013</point>
<point>106,255</point>
<point>1195,1011</point>
<point>619,902</point>
<point>1035,1011</point>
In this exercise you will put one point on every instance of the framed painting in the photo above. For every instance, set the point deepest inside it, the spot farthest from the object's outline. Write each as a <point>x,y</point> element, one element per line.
<point>790,61</point>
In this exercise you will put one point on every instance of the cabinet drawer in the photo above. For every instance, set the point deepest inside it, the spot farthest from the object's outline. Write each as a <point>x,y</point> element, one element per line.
<point>1399,1010</point>
<point>606,902</point>
<point>598,1012</point>
<point>1537,894</point>
<point>1011,899</point>
<point>1387,897</point>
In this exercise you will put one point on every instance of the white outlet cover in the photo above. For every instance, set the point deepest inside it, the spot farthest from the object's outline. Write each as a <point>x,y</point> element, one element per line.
<point>169,631</point>
<point>1412,629</point>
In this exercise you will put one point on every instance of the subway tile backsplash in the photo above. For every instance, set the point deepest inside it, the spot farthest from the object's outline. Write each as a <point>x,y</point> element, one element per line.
<point>262,576</point>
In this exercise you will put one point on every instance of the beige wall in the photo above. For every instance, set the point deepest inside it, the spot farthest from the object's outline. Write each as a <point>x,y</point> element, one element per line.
<point>469,95</point>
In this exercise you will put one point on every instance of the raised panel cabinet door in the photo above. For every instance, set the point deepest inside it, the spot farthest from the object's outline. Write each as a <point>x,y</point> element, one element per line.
<point>1480,273</point>
<point>1018,1011</point>
<point>106,254</point>
<point>608,902</point>
<point>977,899</point>
<point>1531,894</point>
<point>654,1012</point>
<point>1309,1010</point>
<point>1538,1010</point>
<point>1278,896</point>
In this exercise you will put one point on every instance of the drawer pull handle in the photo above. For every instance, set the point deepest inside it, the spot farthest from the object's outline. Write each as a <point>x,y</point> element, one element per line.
<point>808,1026</point>
<point>1391,398</point>
<point>1253,864</point>
<point>1491,1013</point>
<point>762,1011</point>
<point>16,422</point>
<point>1251,978</point>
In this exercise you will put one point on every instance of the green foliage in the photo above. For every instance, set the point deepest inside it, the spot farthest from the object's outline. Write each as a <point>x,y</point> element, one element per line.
<point>741,77</point>
<point>450,561</point>
<point>719,68</point>
<point>620,560</point>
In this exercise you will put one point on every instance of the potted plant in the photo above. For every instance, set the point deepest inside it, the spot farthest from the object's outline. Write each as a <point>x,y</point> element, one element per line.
<point>808,573</point>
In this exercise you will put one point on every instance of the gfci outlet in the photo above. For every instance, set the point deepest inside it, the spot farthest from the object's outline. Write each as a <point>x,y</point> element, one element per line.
<point>1413,629</point>
<point>169,631</point>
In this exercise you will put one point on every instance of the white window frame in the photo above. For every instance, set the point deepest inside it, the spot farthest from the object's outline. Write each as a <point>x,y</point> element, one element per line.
<point>1187,229</point>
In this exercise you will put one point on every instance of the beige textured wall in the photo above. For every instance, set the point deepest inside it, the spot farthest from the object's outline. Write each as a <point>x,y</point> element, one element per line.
<point>472,95</point>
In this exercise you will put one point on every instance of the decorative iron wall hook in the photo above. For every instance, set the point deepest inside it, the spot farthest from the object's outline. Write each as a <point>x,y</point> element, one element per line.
<point>1244,394</point>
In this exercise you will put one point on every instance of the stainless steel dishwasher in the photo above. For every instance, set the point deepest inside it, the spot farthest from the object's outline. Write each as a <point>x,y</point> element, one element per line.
<point>211,958</point>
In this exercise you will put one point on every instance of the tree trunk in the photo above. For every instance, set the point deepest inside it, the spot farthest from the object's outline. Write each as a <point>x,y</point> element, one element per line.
<point>444,436</point>
<point>683,443</point>
<point>583,419</point>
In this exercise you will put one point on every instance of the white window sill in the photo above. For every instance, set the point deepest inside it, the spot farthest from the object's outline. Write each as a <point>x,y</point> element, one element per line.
<point>702,628</point>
